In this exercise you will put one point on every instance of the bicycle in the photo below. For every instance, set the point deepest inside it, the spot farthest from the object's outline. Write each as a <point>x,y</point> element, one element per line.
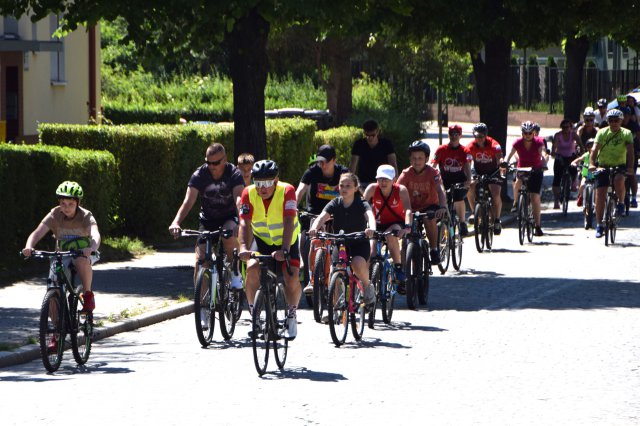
<point>483,212</point>
<point>269,316</point>
<point>611,217</point>
<point>213,293</point>
<point>306,276</point>
<point>320,257</point>
<point>346,293</point>
<point>383,279</point>
<point>417,263</point>
<point>588,200</point>
<point>59,314</point>
<point>526,221</point>
<point>565,185</point>
<point>449,237</point>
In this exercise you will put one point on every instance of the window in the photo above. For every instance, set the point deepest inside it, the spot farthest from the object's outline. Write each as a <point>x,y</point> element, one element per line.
<point>10,28</point>
<point>57,58</point>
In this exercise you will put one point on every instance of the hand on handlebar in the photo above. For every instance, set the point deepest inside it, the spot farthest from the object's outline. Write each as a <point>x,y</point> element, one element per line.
<point>244,255</point>
<point>27,251</point>
<point>312,233</point>
<point>174,229</point>
<point>278,255</point>
<point>369,232</point>
<point>439,214</point>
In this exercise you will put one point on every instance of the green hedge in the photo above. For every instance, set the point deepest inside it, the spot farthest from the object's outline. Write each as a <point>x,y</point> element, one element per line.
<point>126,113</point>
<point>29,176</point>
<point>342,139</point>
<point>290,142</point>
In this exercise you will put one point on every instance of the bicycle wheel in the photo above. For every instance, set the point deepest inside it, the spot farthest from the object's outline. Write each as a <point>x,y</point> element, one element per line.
<point>627,196</point>
<point>280,344</point>
<point>478,226</point>
<point>588,207</point>
<point>489,220</point>
<point>82,330</point>
<point>413,273</point>
<point>565,189</point>
<point>305,271</point>
<point>425,271</point>
<point>456,246</point>
<point>337,307</point>
<point>378,285</point>
<point>52,330</point>
<point>359,315</point>
<point>522,218</point>
<point>203,308</point>
<point>388,294</point>
<point>530,221</point>
<point>260,333</point>
<point>319,285</point>
<point>444,244</point>
<point>226,306</point>
<point>610,221</point>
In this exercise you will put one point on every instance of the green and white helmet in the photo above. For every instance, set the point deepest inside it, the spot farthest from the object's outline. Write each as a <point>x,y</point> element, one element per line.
<point>70,189</point>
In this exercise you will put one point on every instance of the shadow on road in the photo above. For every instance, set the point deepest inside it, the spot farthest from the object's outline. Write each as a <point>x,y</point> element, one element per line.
<point>403,325</point>
<point>304,373</point>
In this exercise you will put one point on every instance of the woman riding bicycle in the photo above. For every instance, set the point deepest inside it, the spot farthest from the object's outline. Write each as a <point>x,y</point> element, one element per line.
<point>563,150</point>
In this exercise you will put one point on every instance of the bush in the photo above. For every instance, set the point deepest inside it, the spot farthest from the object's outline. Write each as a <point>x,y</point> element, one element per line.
<point>342,139</point>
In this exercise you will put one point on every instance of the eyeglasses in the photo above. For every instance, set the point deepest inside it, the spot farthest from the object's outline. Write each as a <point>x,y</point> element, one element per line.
<point>588,119</point>
<point>480,136</point>
<point>214,163</point>
<point>613,120</point>
<point>264,183</point>
<point>527,133</point>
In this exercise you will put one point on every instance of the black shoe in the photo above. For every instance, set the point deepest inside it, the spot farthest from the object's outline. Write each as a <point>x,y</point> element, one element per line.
<point>435,256</point>
<point>463,229</point>
<point>538,232</point>
<point>401,289</point>
<point>497,227</point>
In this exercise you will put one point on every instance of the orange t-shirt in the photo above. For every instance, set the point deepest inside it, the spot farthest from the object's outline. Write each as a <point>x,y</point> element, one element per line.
<point>421,186</point>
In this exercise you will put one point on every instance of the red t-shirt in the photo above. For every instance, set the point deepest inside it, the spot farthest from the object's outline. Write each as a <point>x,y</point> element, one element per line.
<point>290,203</point>
<point>451,162</point>
<point>421,186</point>
<point>387,210</point>
<point>485,158</point>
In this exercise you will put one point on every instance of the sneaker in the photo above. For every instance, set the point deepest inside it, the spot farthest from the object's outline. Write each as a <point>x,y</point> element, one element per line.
<point>89,302</point>
<point>325,319</point>
<point>369,294</point>
<point>471,219</point>
<point>538,232</point>
<point>599,231</point>
<point>400,276</point>
<point>292,328</point>
<point>579,201</point>
<point>463,229</point>
<point>514,208</point>
<point>236,282</point>
<point>634,203</point>
<point>401,289</point>
<point>620,209</point>
<point>308,290</point>
<point>556,205</point>
<point>497,227</point>
<point>53,344</point>
<point>434,254</point>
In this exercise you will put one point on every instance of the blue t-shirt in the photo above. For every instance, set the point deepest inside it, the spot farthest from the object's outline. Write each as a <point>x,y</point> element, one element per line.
<point>216,196</point>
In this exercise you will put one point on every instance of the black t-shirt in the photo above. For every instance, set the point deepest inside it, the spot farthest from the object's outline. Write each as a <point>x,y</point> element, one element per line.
<point>349,219</point>
<point>371,158</point>
<point>216,195</point>
<point>322,189</point>
<point>633,127</point>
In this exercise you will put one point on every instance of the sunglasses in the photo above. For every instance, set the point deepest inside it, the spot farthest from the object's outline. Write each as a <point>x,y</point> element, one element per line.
<point>588,119</point>
<point>527,133</point>
<point>214,163</point>
<point>480,136</point>
<point>264,183</point>
<point>614,120</point>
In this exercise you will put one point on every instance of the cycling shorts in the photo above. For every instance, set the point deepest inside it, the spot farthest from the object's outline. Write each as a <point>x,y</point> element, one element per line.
<point>535,181</point>
<point>215,225</point>
<point>382,227</point>
<point>602,178</point>
<point>264,248</point>
<point>354,248</point>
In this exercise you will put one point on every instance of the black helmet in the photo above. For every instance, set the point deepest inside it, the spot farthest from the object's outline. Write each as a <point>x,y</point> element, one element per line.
<point>601,102</point>
<point>480,128</point>
<point>420,146</point>
<point>264,169</point>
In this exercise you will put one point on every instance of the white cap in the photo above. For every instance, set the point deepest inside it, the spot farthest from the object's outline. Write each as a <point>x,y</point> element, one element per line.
<point>386,172</point>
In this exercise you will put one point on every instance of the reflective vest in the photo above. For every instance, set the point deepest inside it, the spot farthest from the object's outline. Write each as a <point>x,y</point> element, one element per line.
<point>269,226</point>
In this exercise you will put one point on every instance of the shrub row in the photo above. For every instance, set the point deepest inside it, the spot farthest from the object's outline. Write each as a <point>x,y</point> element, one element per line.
<point>29,176</point>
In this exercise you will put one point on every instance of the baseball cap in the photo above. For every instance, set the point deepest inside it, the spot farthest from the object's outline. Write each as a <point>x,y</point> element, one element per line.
<point>326,153</point>
<point>386,172</point>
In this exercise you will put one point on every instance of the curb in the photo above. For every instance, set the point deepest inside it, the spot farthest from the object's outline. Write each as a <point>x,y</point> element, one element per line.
<point>31,352</point>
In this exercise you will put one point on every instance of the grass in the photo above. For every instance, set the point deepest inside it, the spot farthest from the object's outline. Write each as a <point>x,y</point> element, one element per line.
<point>7,347</point>
<point>123,248</point>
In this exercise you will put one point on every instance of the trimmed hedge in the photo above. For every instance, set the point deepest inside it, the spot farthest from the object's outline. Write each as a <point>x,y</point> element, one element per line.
<point>29,176</point>
<point>123,113</point>
<point>342,139</point>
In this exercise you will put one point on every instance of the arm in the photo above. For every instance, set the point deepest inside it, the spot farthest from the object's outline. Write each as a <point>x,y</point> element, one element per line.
<point>189,200</point>
<point>406,203</point>
<point>467,174</point>
<point>442,200</point>
<point>578,140</point>
<point>594,155</point>
<point>393,161</point>
<point>554,145</point>
<point>301,191</point>
<point>34,238</point>
<point>319,221</point>
<point>237,193</point>
<point>287,234</point>
<point>513,151</point>
<point>353,166</point>
<point>630,159</point>
<point>245,238</point>
<point>371,220</point>
<point>368,193</point>
<point>95,241</point>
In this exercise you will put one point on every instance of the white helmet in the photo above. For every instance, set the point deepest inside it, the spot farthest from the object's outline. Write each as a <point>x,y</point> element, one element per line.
<point>588,112</point>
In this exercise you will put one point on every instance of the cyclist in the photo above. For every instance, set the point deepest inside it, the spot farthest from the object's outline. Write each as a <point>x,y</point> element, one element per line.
<point>613,148</point>
<point>245,164</point>
<point>564,147</point>
<point>318,185</point>
<point>74,228</point>
<point>392,209</point>
<point>454,163</point>
<point>634,128</point>
<point>219,185</point>
<point>634,110</point>
<point>530,154</point>
<point>600,117</point>
<point>586,174</point>
<point>588,129</point>
<point>269,224</point>
<point>351,214</point>
<point>486,153</point>
<point>425,192</point>
<point>370,152</point>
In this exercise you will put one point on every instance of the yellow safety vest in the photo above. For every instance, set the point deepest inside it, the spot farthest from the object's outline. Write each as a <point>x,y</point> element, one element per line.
<point>269,226</point>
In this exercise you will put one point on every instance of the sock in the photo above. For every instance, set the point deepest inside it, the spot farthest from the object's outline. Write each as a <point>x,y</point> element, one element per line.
<point>292,311</point>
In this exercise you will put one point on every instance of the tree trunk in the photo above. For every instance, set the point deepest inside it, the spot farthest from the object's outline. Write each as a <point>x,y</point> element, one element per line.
<point>339,85</point>
<point>492,82</point>
<point>249,66</point>
<point>576,52</point>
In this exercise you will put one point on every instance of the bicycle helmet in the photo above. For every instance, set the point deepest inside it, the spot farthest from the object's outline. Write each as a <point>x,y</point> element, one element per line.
<point>590,141</point>
<point>264,169</point>
<point>480,128</point>
<point>455,128</point>
<point>615,113</point>
<point>588,112</point>
<point>536,127</point>
<point>601,102</point>
<point>70,189</point>
<point>313,159</point>
<point>420,146</point>
<point>527,126</point>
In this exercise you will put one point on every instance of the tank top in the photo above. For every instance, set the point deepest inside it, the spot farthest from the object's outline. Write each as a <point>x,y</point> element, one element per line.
<point>566,148</point>
<point>387,210</point>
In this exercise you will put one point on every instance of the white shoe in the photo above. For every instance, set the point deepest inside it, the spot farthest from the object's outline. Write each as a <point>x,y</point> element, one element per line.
<point>292,328</point>
<point>236,282</point>
<point>308,290</point>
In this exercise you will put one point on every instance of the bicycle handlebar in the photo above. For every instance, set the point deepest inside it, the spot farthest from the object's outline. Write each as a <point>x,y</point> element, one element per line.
<point>360,235</point>
<point>42,254</point>
<point>267,257</point>
<point>226,233</point>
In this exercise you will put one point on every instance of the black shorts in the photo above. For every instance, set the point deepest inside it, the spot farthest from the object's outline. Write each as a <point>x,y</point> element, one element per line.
<point>458,194</point>
<point>535,181</point>
<point>382,227</point>
<point>354,248</point>
<point>214,225</point>
<point>559,166</point>
<point>264,248</point>
<point>602,178</point>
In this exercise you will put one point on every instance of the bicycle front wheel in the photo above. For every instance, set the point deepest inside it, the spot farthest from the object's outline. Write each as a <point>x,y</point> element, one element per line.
<point>610,222</point>
<point>203,308</point>
<point>456,246</point>
<point>52,330</point>
<point>260,333</point>
<point>413,273</point>
<point>337,307</point>
<point>425,271</point>
<point>388,294</point>
<point>378,285</point>
<point>522,218</point>
<point>228,309</point>
<point>588,207</point>
<point>358,316</point>
<point>82,330</point>
<point>280,343</point>
<point>319,285</point>
<point>479,226</point>
<point>565,194</point>
<point>530,221</point>
<point>444,245</point>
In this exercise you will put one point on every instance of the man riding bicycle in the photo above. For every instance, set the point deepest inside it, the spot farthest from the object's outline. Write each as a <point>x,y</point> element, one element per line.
<point>269,225</point>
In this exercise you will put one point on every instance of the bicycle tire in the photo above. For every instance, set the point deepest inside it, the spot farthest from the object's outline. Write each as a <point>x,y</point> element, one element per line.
<point>489,219</point>
<point>627,196</point>
<point>306,278</point>
<point>51,328</point>
<point>565,188</point>
<point>456,246</point>
<point>319,285</point>
<point>204,313</point>
<point>280,343</point>
<point>425,272</point>
<point>413,275</point>
<point>337,307</point>
<point>376,280</point>
<point>529,221</point>
<point>358,317</point>
<point>444,245</point>
<point>522,218</point>
<point>260,333</point>
<point>82,330</point>
<point>588,207</point>
<point>478,226</point>
<point>388,298</point>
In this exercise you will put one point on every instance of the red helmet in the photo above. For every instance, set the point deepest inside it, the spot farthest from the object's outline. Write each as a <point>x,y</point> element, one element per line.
<point>455,129</point>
